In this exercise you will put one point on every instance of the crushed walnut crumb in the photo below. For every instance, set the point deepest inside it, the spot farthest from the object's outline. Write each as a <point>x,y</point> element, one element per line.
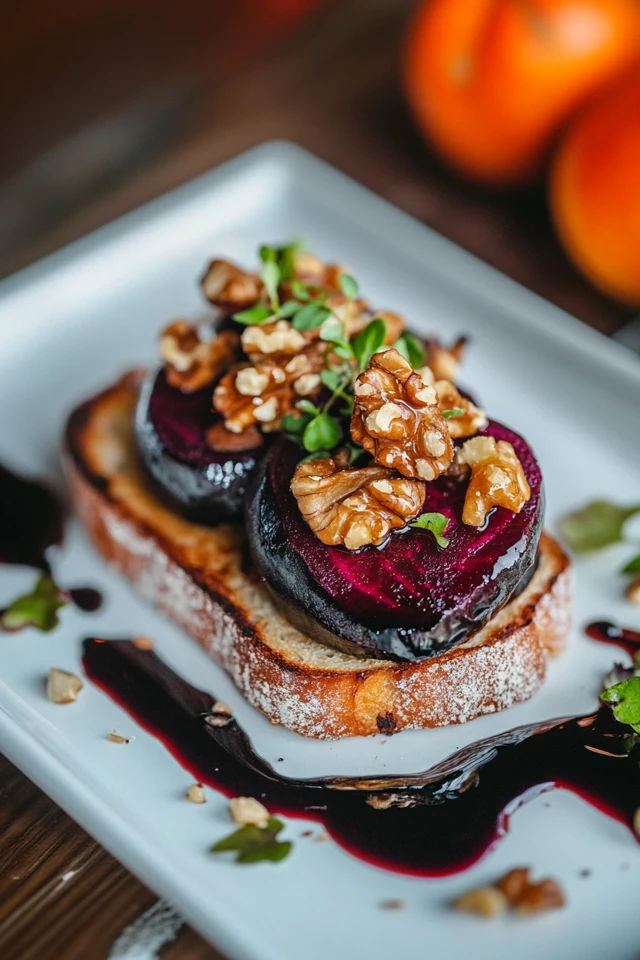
<point>632,592</point>
<point>396,418</point>
<point>62,686</point>
<point>116,738</point>
<point>354,507</point>
<point>247,811</point>
<point>195,793</point>
<point>467,419</point>
<point>514,891</point>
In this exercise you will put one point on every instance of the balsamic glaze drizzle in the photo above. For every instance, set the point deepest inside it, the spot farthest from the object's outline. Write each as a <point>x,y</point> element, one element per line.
<point>430,824</point>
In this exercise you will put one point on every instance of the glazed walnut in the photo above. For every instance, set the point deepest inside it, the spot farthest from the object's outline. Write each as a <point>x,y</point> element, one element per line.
<point>230,288</point>
<point>264,393</point>
<point>470,421</point>
<point>352,507</point>
<point>497,478</point>
<point>396,418</point>
<point>443,361</point>
<point>192,363</point>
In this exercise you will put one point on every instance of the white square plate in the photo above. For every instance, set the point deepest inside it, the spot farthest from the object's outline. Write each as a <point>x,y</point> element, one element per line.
<point>72,323</point>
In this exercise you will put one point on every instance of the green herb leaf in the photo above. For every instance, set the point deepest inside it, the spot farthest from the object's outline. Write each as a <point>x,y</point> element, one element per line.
<point>299,290</point>
<point>252,844</point>
<point>37,609</point>
<point>417,354</point>
<point>254,315</point>
<point>625,698</point>
<point>322,433</point>
<point>288,309</point>
<point>633,566</point>
<point>331,379</point>
<point>365,343</point>
<point>596,526</point>
<point>311,316</point>
<point>270,276</point>
<point>268,254</point>
<point>355,451</point>
<point>294,424</point>
<point>451,414</point>
<point>349,286</point>
<point>436,523</point>
<point>333,333</point>
<point>342,349</point>
<point>308,407</point>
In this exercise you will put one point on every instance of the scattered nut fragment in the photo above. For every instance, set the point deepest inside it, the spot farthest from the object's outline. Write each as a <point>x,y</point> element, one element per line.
<point>354,507</point>
<point>230,288</point>
<point>63,687</point>
<point>636,823</point>
<point>247,811</point>
<point>396,418</point>
<point>514,883</point>
<point>485,901</point>
<point>497,478</point>
<point>633,592</point>
<point>322,837</point>
<point>445,362</point>
<point>195,793</point>
<point>192,363</point>
<point>470,420</point>
<point>538,897</point>
<point>116,738</point>
<point>220,707</point>
<point>221,440</point>
<point>393,904</point>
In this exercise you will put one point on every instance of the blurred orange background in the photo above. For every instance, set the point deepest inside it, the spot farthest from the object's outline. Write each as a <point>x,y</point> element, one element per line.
<point>455,110</point>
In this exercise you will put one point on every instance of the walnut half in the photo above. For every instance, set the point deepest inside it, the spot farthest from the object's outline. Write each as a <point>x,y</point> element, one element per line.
<point>354,507</point>
<point>397,419</point>
<point>192,363</point>
<point>497,478</point>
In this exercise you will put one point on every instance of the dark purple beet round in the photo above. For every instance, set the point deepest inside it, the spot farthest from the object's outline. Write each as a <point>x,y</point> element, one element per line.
<point>170,427</point>
<point>409,598</point>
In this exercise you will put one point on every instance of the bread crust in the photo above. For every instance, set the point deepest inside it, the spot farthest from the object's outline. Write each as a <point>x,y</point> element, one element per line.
<point>198,577</point>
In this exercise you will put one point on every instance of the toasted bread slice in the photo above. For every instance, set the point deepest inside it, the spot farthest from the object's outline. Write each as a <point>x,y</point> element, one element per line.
<point>198,576</point>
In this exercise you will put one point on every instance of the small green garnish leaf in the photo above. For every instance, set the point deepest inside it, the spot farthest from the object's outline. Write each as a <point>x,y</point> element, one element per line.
<point>411,349</point>
<point>331,379</point>
<point>294,424</point>
<point>333,333</point>
<point>299,290</point>
<point>633,566</point>
<point>451,414</point>
<point>288,309</point>
<point>349,286</point>
<point>436,523</point>
<point>365,343</point>
<point>309,317</point>
<point>597,525</point>
<point>625,697</point>
<point>37,609</point>
<point>322,433</point>
<point>254,315</point>
<point>252,844</point>
<point>308,407</point>
<point>270,276</point>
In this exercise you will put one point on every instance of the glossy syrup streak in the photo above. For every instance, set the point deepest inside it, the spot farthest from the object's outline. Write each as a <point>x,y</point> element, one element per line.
<point>430,824</point>
<point>31,526</point>
<point>605,632</point>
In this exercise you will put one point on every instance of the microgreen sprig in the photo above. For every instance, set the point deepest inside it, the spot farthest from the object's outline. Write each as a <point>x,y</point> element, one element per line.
<point>435,523</point>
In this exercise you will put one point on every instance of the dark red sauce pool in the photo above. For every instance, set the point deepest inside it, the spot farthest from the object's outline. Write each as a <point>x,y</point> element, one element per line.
<point>456,812</point>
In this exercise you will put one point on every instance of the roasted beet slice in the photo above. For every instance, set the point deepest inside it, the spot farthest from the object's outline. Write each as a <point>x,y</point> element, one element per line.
<point>197,482</point>
<point>410,598</point>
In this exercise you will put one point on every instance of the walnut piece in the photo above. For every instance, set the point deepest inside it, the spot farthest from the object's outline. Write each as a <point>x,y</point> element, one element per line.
<point>264,393</point>
<point>195,793</point>
<point>63,687</point>
<point>472,419</point>
<point>192,363</point>
<point>538,897</point>
<point>221,440</point>
<point>485,901</point>
<point>396,418</point>
<point>445,362</point>
<point>632,592</point>
<point>230,288</point>
<point>354,507</point>
<point>274,337</point>
<point>247,811</point>
<point>497,478</point>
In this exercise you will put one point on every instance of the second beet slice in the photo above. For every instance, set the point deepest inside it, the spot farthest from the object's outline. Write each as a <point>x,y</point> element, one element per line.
<point>409,599</point>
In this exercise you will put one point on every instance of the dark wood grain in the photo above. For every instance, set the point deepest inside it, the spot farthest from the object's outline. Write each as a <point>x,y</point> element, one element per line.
<point>105,106</point>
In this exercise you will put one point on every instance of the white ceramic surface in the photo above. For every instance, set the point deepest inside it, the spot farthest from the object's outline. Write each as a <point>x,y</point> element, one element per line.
<point>69,325</point>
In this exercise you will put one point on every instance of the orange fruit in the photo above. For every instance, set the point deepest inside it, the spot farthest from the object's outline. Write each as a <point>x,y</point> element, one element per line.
<point>594,189</point>
<point>490,82</point>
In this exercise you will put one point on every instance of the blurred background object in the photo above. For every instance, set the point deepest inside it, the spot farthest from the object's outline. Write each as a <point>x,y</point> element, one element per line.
<point>108,104</point>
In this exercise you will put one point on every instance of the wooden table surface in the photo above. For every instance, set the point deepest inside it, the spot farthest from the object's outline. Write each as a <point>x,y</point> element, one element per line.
<point>107,105</point>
